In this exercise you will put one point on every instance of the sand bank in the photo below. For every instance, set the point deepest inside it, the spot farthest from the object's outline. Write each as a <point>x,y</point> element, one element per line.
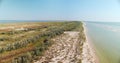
<point>88,54</point>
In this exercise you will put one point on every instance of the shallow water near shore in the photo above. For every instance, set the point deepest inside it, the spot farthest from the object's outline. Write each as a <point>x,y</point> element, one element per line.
<point>105,36</point>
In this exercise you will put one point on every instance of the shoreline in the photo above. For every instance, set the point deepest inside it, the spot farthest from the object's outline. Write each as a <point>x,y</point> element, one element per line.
<point>90,47</point>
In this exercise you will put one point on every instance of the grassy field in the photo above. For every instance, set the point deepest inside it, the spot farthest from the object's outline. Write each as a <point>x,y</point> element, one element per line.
<point>25,42</point>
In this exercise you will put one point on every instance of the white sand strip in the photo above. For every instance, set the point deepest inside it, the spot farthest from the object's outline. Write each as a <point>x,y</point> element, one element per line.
<point>88,55</point>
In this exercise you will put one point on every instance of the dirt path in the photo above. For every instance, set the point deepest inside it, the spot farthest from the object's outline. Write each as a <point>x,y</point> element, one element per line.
<point>65,50</point>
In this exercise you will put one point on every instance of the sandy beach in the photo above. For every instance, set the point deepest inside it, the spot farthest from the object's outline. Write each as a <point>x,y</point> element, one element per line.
<point>66,49</point>
<point>89,54</point>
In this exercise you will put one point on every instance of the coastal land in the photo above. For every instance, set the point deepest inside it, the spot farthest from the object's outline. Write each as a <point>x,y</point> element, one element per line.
<point>89,53</point>
<point>45,42</point>
<point>70,47</point>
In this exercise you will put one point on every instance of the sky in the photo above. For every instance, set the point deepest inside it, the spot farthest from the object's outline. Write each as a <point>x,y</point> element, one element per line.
<point>82,10</point>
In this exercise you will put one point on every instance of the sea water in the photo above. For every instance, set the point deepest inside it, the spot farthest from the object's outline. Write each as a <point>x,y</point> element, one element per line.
<point>105,36</point>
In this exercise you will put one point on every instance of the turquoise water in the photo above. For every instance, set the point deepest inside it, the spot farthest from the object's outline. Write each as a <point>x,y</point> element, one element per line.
<point>106,39</point>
